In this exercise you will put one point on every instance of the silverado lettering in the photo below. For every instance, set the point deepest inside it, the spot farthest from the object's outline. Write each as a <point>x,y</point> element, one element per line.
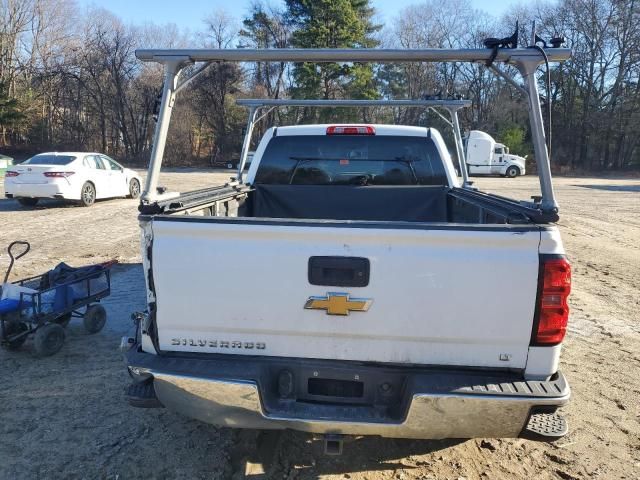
<point>218,343</point>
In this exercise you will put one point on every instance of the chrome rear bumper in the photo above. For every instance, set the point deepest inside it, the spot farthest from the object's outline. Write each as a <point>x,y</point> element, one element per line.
<point>434,404</point>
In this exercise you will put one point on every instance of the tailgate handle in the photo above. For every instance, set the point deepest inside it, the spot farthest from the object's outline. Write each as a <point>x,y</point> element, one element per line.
<point>339,271</point>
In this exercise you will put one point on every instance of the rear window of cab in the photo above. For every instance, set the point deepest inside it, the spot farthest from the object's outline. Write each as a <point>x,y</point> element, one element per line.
<point>351,160</point>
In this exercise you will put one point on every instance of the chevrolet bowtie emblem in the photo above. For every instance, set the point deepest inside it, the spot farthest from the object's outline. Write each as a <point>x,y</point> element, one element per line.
<point>338,304</point>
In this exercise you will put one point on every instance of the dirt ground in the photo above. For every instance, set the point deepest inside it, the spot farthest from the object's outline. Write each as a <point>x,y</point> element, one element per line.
<point>65,416</point>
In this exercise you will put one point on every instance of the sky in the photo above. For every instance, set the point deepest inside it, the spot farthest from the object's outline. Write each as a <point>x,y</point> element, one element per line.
<point>188,14</point>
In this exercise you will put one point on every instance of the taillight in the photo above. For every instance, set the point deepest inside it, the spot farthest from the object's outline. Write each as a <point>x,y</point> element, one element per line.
<point>351,130</point>
<point>58,174</point>
<point>9,173</point>
<point>552,308</point>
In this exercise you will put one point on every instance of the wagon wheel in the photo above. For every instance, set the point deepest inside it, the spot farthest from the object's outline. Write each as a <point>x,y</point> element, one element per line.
<point>48,339</point>
<point>94,318</point>
<point>14,328</point>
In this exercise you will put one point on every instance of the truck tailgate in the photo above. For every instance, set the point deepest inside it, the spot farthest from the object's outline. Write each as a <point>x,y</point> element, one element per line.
<point>439,294</point>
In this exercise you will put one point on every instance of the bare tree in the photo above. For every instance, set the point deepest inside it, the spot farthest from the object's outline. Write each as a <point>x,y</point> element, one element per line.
<point>221,29</point>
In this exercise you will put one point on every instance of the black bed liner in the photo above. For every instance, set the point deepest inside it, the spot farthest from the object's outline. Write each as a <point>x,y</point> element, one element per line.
<point>372,203</point>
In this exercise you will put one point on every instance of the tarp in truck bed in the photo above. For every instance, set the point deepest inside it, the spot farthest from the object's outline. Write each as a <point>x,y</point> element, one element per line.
<point>336,202</point>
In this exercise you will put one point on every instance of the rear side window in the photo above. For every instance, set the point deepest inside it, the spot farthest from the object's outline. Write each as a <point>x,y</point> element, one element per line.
<point>93,161</point>
<point>99,163</point>
<point>109,164</point>
<point>50,160</point>
<point>351,160</point>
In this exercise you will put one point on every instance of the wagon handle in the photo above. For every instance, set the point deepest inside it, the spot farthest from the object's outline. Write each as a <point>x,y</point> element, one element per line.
<point>14,257</point>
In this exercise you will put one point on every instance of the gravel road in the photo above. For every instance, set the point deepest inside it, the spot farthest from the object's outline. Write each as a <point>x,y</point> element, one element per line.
<point>65,417</point>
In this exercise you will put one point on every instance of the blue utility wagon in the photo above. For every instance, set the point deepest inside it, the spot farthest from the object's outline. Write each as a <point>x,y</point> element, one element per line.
<point>45,304</point>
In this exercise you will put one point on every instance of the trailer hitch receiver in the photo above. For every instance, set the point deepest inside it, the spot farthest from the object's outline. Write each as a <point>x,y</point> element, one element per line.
<point>333,444</point>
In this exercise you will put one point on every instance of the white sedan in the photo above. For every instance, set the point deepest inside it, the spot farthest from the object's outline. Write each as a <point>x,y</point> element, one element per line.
<point>80,176</point>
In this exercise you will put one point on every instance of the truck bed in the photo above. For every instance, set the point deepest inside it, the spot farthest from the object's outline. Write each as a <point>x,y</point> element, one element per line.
<point>430,204</point>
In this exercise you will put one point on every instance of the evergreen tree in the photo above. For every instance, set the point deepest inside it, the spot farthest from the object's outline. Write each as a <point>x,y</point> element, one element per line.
<point>266,27</point>
<point>332,24</point>
<point>10,114</point>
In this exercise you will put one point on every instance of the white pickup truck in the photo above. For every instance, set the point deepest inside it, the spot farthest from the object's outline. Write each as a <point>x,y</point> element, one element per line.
<point>351,285</point>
